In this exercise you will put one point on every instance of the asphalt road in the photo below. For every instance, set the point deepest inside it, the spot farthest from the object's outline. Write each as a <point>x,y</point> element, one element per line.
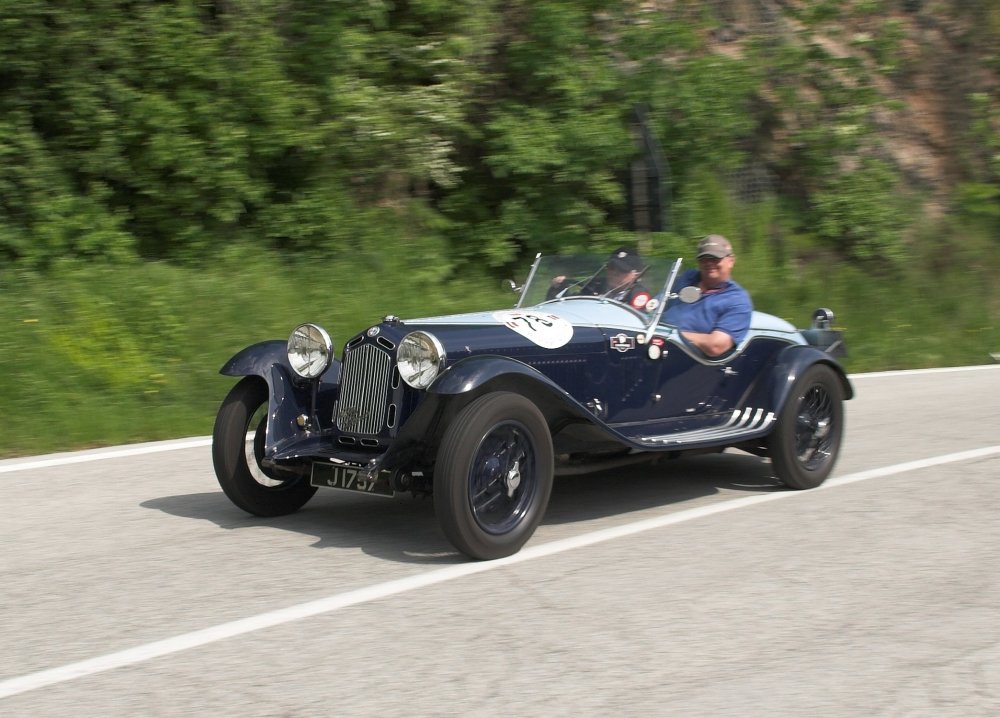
<point>132,587</point>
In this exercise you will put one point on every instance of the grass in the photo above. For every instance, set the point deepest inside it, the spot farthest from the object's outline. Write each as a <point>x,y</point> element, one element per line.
<point>101,355</point>
<point>97,355</point>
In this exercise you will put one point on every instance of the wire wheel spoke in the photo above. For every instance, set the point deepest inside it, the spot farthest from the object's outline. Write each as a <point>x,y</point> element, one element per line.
<point>814,428</point>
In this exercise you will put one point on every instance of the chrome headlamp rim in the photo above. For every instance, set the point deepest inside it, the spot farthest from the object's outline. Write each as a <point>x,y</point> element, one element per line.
<point>310,350</point>
<point>421,371</point>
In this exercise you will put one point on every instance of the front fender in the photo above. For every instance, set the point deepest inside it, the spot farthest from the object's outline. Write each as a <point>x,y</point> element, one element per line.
<point>258,359</point>
<point>791,364</point>
<point>476,375</point>
<point>288,395</point>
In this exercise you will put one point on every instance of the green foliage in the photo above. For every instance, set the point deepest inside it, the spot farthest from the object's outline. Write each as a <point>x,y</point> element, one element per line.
<point>984,137</point>
<point>705,207</point>
<point>869,7</point>
<point>978,196</point>
<point>41,216</point>
<point>886,45</point>
<point>846,194</point>
<point>702,105</point>
<point>857,214</point>
<point>96,354</point>
<point>979,199</point>
<point>169,130</point>
<point>173,130</point>
<point>539,170</point>
<point>883,44</point>
<point>819,11</point>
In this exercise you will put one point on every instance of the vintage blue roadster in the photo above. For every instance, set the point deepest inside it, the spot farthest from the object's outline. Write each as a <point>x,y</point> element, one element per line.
<point>482,410</point>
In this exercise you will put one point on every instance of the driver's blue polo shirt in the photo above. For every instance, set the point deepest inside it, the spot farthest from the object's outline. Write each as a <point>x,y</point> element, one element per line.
<point>727,308</point>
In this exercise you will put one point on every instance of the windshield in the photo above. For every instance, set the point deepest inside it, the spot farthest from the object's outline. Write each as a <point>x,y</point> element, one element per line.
<point>566,276</point>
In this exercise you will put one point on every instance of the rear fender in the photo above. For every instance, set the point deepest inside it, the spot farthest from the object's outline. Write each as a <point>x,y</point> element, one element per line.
<point>792,363</point>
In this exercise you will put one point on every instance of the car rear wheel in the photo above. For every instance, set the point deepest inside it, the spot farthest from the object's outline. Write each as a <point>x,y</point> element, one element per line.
<point>493,475</point>
<point>806,440</point>
<point>237,451</point>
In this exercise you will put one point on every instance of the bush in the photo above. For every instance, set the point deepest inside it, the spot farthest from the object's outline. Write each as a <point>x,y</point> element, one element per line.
<point>857,214</point>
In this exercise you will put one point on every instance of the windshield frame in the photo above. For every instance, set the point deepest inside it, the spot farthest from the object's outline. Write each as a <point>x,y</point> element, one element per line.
<point>667,296</point>
<point>581,268</point>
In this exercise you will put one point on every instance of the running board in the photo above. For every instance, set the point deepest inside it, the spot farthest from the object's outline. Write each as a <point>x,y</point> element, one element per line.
<point>742,425</point>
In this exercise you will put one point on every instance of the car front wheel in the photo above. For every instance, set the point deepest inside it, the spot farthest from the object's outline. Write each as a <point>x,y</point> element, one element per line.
<point>493,475</point>
<point>806,440</point>
<point>237,451</point>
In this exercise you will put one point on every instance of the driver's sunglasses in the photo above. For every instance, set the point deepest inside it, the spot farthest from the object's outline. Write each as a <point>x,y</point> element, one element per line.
<point>712,260</point>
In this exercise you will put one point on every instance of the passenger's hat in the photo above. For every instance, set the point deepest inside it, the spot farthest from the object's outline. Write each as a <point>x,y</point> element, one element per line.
<point>714,245</point>
<point>625,260</point>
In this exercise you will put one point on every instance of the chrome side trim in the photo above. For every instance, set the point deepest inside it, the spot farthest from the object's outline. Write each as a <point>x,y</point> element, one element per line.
<point>749,420</point>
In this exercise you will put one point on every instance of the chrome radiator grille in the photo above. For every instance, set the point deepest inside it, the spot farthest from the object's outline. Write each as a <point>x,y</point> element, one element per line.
<point>364,390</point>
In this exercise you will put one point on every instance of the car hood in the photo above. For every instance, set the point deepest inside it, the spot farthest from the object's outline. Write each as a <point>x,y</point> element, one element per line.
<point>588,312</point>
<point>578,326</point>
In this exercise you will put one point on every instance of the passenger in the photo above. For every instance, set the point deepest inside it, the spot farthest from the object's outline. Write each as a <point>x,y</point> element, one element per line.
<point>720,319</point>
<point>620,281</point>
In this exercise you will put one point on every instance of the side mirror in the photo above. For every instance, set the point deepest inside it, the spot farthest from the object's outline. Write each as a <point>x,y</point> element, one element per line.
<point>822,318</point>
<point>689,295</point>
<point>511,286</point>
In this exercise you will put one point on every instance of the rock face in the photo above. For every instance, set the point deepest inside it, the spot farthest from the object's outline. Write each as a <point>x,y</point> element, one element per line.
<point>933,71</point>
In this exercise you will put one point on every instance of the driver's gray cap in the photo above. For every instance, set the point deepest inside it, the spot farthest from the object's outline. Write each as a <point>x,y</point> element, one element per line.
<point>714,245</point>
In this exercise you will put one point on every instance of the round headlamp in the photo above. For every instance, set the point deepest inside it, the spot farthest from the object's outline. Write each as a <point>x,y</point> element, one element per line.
<point>310,350</point>
<point>420,358</point>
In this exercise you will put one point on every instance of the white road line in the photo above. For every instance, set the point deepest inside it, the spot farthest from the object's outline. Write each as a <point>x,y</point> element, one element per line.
<point>9,465</point>
<point>176,644</point>
<point>918,372</point>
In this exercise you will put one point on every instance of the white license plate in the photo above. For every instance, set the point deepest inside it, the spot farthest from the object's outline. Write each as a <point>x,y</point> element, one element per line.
<point>346,478</point>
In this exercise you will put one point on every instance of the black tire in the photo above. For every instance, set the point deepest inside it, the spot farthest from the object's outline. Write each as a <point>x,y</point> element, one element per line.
<point>237,458</point>
<point>806,439</point>
<point>493,475</point>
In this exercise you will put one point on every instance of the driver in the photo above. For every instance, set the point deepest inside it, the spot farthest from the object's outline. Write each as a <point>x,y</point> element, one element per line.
<point>620,281</point>
<point>720,319</point>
